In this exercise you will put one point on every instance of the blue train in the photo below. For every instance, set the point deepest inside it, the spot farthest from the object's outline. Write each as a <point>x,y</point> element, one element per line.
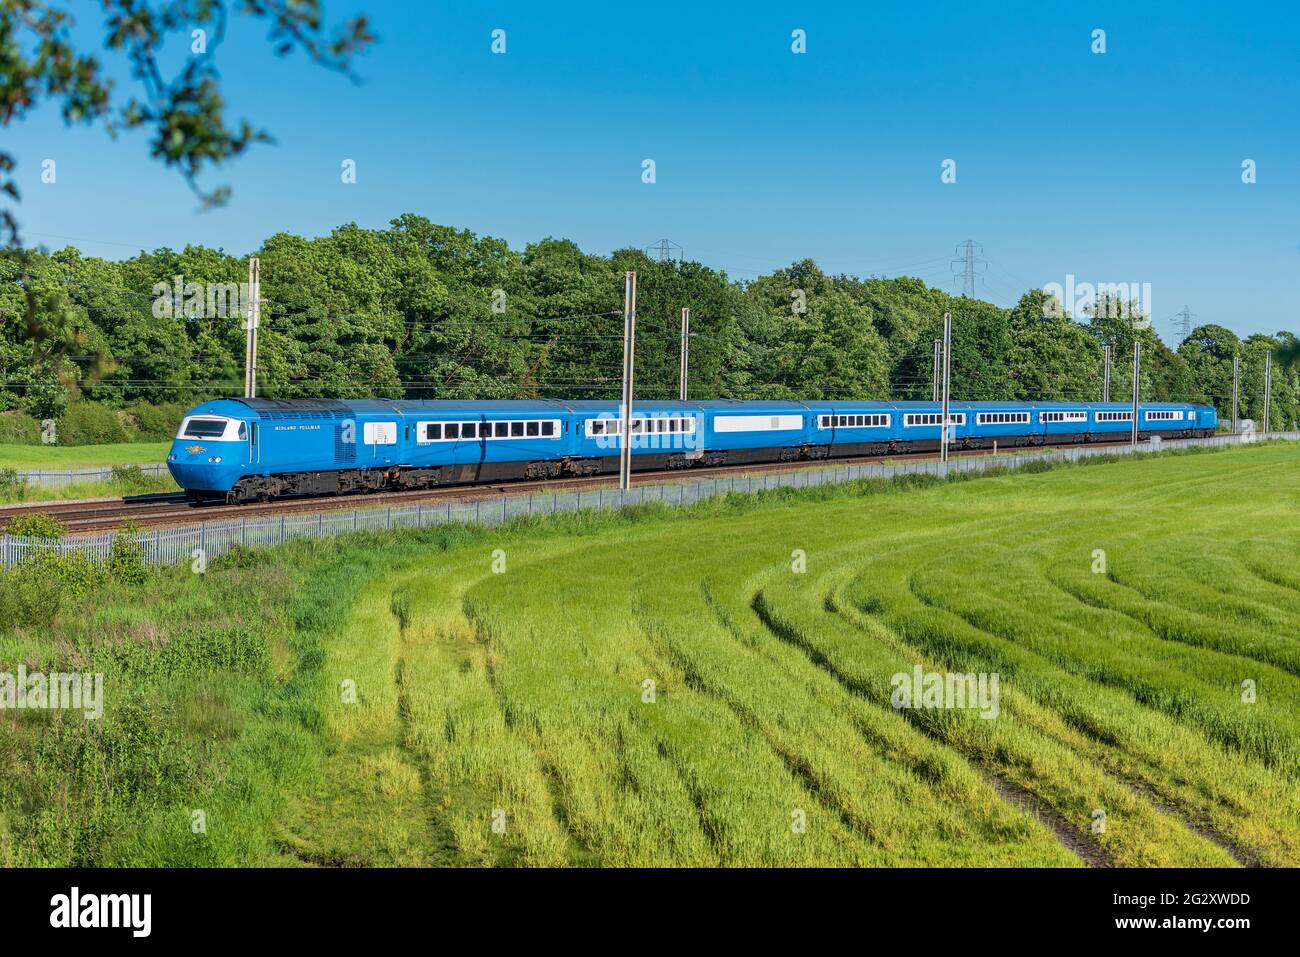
<point>244,449</point>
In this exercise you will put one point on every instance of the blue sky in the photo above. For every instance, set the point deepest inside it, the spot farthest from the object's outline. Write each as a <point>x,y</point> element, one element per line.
<point>1115,167</point>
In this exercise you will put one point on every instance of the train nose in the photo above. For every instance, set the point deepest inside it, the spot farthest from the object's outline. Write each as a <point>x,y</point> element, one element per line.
<point>196,466</point>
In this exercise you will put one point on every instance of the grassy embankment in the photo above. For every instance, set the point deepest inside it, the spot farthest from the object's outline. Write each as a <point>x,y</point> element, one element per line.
<point>28,458</point>
<point>515,694</point>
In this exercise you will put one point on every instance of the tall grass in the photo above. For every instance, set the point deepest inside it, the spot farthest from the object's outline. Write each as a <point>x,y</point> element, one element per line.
<point>708,686</point>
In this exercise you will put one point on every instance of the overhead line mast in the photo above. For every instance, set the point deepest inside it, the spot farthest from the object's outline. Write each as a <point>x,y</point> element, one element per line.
<point>629,357</point>
<point>686,351</point>
<point>947,379</point>
<point>252,314</point>
<point>1137,384</point>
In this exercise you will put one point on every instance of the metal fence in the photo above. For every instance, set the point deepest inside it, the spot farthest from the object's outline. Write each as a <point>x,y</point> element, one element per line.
<point>211,539</point>
<point>60,478</point>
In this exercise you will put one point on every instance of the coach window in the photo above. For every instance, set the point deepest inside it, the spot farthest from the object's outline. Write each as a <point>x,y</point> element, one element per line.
<point>597,427</point>
<point>432,431</point>
<point>501,429</point>
<point>516,429</point>
<point>534,429</point>
<point>451,430</point>
<point>548,428</point>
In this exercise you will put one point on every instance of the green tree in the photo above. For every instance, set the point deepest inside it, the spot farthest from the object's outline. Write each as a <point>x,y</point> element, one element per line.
<point>1052,357</point>
<point>1209,352</point>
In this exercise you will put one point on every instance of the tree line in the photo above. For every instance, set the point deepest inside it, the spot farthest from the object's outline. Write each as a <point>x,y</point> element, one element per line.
<point>420,310</point>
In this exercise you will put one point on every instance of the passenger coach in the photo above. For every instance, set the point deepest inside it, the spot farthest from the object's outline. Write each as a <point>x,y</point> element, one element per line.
<point>242,449</point>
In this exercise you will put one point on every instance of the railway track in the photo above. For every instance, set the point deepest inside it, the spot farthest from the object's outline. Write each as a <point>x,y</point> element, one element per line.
<point>152,511</point>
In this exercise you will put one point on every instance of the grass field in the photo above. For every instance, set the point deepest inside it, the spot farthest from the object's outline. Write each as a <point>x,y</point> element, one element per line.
<point>33,457</point>
<point>502,713</point>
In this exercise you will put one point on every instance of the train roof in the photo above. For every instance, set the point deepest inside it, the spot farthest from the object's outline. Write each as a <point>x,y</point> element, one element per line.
<point>599,405</point>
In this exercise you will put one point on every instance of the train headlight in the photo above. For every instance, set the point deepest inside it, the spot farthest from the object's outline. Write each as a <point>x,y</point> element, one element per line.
<point>172,457</point>
<point>214,459</point>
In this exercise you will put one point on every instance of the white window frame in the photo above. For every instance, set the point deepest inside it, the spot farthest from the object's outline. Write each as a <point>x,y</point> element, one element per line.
<point>1110,416</point>
<point>758,423</point>
<point>1014,418</point>
<point>909,419</point>
<point>229,434</point>
<point>1057,416</point>
<point>379,433</point>
<point>828,421</point>
<point>1162,415</point>
<point>480,425</point>
<point>685,425</point>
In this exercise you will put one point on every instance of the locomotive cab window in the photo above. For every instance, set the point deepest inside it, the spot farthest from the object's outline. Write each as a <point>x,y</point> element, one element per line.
<point>204,429</point>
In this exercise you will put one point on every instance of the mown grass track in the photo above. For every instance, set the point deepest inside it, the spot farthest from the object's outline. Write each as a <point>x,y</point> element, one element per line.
<point>514,694</point>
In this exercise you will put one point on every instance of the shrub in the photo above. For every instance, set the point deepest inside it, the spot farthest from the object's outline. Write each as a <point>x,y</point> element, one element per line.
<point>156,423</point>
<point>11,483</point>
<point>33,591</point>
<point>241,556</point>
<point>90,423</point>
<point>27,595</point>
<point>38,525</point>
<point>19,428</point>
<point>129,478</point>
<point>126,557</point>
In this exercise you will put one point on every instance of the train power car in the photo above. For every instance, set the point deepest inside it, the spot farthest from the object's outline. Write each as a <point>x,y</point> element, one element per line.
<point>238,450</point>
